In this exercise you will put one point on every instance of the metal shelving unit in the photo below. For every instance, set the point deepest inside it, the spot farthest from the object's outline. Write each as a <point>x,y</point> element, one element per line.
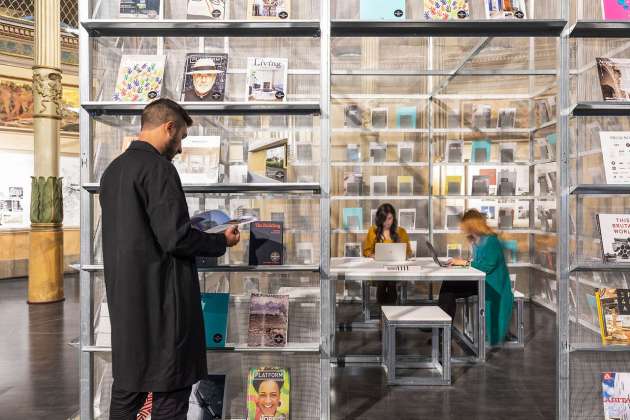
<point>91,29</point>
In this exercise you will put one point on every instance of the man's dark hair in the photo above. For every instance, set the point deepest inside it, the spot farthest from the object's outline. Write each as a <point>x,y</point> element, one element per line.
<point>162,111</point>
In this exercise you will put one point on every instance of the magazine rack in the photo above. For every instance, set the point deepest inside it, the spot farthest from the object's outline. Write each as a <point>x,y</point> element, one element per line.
<point>302,201</point>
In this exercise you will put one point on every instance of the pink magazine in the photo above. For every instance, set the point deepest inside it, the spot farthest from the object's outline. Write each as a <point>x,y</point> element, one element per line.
<point>616,9</point>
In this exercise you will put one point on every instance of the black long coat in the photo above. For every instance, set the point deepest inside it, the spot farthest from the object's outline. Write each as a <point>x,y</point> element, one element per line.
<point>150,275</point>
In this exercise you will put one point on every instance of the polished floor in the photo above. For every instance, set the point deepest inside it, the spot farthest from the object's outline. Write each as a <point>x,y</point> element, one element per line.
<point>39,376</point>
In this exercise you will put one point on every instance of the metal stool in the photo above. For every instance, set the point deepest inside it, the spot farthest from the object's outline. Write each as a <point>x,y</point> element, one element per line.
<point>395,317</point>
<point>519,342</point>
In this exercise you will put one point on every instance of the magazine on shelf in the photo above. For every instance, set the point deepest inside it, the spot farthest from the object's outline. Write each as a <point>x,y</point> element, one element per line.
<point>353,184</point>
<point>505,9</point>
<point>453,216</point>
<point>353,153</point>
<point>491,174</point>
<point>405,152</point>
<point>542,111</point>
<point>613,310</point>
<point>507,152</point>
<point>379,118</point>
<point>304,152</point>
<point>267,79</point>
<point>200,160</point>
<point>268,9</point>
<point>353,116</point>
<point>352,218</point>
<point>304,253</point>
<point>446,9</point>
<point>482,116</point>
<point>140,78</point>
<point>545,175</point>
<point>378,152</point>
<point>506,218</point>
<point>262,383</point>
<point>480,185</point>
<point>405,185</point>
<point>454,151</point>
<point>268,320</point>
<point>453,250</point>
<point>480,151</point>
<point>207,398</point>
<point>406,117</point>
<point>382,10</point>
<point>507,118</point>
<point>616,154</point>
<point>615,235</point>
<point>140,9</point>
<point>217,221</point>
<point>206,9</point>
<point>615,10</point>
<point>214,307</point>
<point>267,161</point>
<point>352,250</point>
<point>378,185</point>
<point>204,77</point>
<point>407,219</point>
<point>266,244</point>
<point>521,221</point>
<point>616,395</point>
<point>614,78</point>
<point>454,185</point>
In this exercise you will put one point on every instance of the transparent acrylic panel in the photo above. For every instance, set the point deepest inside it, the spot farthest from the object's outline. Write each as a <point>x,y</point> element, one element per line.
<point>176,9</point>
<point>400,88</point>
<point>365,54</point>
<point>499,87</point>
<point>302,55</point>
<point>304,371</point>
<point>587,10</point>
<point>375,114</point>
<point>238,135</point>
<point>589,159</point>
<point>545,9</point>
<point>300,215</point>
<point>544,290</point>
<point>546,251</point>
<point>585,82</point>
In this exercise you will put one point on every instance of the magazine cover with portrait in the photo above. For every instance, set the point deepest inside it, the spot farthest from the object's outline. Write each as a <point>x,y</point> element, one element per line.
<point>268,394</point>
<point>204,77</point>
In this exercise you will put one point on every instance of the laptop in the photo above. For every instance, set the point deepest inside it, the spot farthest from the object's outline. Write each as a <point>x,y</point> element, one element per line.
<point>395,252</point>
<point>435,256</point>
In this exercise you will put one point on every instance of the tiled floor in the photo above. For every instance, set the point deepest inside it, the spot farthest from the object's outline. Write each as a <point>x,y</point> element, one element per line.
<point>39,376</point>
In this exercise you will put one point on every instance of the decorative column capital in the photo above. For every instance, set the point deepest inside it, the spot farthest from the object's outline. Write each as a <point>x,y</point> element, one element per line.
<point>47,91</point>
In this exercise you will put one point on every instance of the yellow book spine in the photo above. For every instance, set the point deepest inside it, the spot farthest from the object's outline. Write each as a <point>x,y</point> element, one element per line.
<point>600,315</point>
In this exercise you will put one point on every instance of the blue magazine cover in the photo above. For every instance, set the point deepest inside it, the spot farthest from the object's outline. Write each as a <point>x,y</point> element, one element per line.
<point>382,10</point>
<point>215,317</point>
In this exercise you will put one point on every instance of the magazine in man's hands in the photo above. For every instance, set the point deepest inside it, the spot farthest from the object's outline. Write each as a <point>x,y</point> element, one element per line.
<point>216,221</point>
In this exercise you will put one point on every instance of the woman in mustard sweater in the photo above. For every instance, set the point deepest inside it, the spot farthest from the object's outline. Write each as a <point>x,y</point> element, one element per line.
<point>385,230</point>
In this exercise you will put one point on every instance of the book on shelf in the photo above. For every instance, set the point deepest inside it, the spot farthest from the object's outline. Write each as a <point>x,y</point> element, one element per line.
<point>266,245</point>
<point>304,152</point>
<point>407,219</point>
<point>382,10</point>
<point>353,116</point>
<point>406,117</point>
<point>616,395</point>
<point>480,185</point>
<point>614,231</point>
<point>521,221</point>
<point>446,9</point>
<point>480,151</point>
<point>453,250</point>
<point>490,212</point>
<point>491,174</point>
<point>542,111</point>
<point>454,151</point>
<point>613,310</point>
<point>507,152</point>
<point>214,307</point>
<point>482,116</point>
<point>378,185</point>
<point>140,78</point>
<point>268,320</point>
<point>353,184</point>
<point>304,253</point>
<point>379,118</point>
<point>353,153</point>
<point>614,78</point>
<point>551,140</point>
<point>267,79</point>
<point>506,182</point>
<point>268,9</point>
<point>206,9</point>
<point>352,250</point>
<point>378,152</point>
<point>507,118</point>
<point>207,398</point>
<point>267,161</point>
<point>453,216</point>
<point>616,155</point>
<point>200,160</point>
<point>352,218</point>
<point>505,9</point>
<point>405,152</point>
<point>405,185</point>
<point>506,218</point>
<point>454,185</point>
<point>262,383</point>
<point>204,77</point>
<point>139,9</point>
<point>615,10</point>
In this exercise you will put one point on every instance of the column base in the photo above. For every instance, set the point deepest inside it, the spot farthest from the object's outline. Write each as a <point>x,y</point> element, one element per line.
<point>45,268</point>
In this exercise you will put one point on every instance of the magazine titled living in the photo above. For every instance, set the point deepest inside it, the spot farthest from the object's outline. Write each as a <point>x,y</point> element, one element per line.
<point>267,79</point>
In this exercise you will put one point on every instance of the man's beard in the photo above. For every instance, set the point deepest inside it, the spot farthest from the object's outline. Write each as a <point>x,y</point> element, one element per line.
<point>172,149</point>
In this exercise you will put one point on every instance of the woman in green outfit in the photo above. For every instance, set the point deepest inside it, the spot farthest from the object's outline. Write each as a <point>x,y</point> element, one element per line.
<point>487,257</point>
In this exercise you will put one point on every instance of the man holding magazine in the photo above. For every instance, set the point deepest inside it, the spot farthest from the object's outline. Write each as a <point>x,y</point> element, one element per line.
<point>149,250</point>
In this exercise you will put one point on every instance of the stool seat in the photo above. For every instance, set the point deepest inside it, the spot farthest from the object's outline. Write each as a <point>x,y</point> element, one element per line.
<point>433,314</point>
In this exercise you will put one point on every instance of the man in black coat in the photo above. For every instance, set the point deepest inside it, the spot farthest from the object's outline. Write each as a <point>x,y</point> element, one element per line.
<point>152,285</point>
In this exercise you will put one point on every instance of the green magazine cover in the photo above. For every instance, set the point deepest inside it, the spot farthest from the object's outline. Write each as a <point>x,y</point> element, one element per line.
<point>268,394</point>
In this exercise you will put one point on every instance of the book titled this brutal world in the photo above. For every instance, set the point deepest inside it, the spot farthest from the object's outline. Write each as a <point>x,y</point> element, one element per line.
<point>268,320</point>
<point>267,79</point>
<point>268,393</point>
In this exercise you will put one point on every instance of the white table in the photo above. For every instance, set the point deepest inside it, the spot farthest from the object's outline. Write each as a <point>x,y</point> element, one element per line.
<point>419,269</point>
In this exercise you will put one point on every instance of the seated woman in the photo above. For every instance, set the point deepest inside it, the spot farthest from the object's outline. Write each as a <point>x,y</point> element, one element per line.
<point>385,230</point>
<point>487,257</point>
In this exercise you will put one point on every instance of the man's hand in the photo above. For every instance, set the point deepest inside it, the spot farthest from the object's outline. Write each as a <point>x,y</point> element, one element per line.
<point>232,236</point>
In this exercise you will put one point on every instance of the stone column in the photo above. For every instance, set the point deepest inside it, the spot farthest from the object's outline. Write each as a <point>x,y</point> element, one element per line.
<point>46,266</point>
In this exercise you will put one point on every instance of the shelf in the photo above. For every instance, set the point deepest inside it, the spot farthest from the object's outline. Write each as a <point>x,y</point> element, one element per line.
<point>207,108</point>
<point>381,164</point>
<point>201,28</point>
<point>598,29</point>
<point>600,189</point>
<point>365,231</point>
<point>485,197</point>
<point>462,28</point>
<point>600,266</point>
<point>598,347</point>
<point>285,187</point>
<point>601,109</point>
<point>93,268</point>
<point>238,348</point>
<point>471,164</point>
<point>378,197</point>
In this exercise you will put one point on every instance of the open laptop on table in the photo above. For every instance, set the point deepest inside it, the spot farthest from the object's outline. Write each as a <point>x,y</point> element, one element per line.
<point>390,253</point>
<point>434,254</point>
